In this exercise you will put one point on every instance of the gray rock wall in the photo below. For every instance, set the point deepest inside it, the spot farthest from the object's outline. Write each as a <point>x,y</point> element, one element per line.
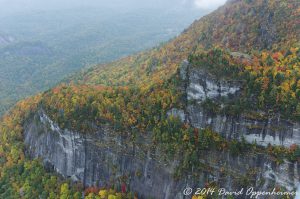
<point>105,156</point>
<point>201,86</point>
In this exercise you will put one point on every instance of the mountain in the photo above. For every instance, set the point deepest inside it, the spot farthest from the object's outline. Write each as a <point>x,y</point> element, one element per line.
<point>243,26</point>
<point>216,107</point>
<point>40,48</point>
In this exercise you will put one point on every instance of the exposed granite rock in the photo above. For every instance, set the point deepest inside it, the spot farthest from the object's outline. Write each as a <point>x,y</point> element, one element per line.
<point>177,113</point>
<point>272,131</point>
<point>105,156</point>
<point>263,131</point>
<point>96,158</point>
<point>184,70</point>
<point>202,86</point>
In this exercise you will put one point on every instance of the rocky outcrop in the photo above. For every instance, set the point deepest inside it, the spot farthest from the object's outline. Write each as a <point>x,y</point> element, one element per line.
<point>105,156</point>
<point>101,157</point>
<point>263,132</point>
<point>200,86</point>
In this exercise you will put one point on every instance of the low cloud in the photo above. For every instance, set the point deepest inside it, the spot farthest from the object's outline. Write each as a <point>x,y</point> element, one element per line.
<point>209,4</point>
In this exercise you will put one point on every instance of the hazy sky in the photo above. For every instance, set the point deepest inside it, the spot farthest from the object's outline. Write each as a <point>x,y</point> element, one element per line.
<point>209,4</point>
<point>15,6</point>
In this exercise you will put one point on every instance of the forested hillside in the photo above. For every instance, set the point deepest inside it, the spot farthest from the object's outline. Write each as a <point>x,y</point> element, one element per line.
<point>245,26</point>
<point>39,49</point>
<point>254,42</point>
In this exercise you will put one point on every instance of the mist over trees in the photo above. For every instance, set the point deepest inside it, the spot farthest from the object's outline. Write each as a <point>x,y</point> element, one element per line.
<point>43,42</point>
<point>9,7</point>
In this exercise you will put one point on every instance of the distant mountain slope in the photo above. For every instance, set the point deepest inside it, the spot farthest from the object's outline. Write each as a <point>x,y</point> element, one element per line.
<point>240,25</point>
<point>51,45</point>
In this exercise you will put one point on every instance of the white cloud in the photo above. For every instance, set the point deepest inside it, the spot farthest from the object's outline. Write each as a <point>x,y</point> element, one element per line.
<point>209,4</point>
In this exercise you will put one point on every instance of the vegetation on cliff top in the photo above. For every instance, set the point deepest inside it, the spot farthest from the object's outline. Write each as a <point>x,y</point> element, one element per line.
<point>271,80</point>
<point>242,26</point>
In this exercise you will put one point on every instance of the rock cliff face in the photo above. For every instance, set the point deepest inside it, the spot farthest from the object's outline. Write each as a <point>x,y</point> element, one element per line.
<point>262,130</point>
<point>103,156</point>
<point>266,131</point>
<point>107,156</point>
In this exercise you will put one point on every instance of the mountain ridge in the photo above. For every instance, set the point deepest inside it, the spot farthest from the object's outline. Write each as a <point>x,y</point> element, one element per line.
<point>193,39</point>
<point>149,95</point>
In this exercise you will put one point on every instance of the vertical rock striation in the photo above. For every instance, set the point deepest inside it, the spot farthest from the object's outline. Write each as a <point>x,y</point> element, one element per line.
<point>107,157</point>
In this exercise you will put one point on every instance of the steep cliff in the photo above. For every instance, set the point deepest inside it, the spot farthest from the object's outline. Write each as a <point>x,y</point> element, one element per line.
<point>260,129</point>
<point>228,117</point>
<point>107,157</point>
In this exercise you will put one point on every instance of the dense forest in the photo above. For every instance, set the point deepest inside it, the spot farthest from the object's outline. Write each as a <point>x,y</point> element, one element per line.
<point>134,94</point>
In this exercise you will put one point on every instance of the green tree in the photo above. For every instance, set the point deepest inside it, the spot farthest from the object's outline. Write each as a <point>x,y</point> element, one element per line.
<point>64,191</point>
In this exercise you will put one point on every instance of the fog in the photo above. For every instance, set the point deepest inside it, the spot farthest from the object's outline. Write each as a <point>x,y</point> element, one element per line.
<point>11,7</point>
<point>44,41</point>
